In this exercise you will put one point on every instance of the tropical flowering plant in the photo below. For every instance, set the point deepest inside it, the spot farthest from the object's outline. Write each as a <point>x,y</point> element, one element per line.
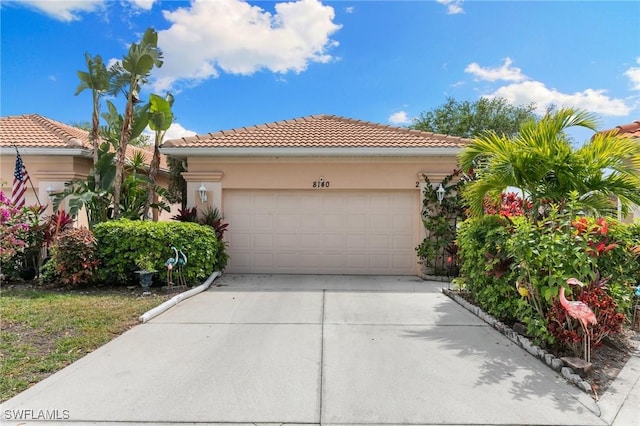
<point>510,204</point>
<point>14,232</point>
<point>24,232</point>
<point>566,330</point>
<point>75,257</point>
<point>594,233</point>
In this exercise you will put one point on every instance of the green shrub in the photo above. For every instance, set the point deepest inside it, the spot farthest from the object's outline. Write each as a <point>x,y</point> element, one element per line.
<point>74,258</point>
<point>514,267</point>
<point>620,264</point>
<point>486,265</point>
<point>121,242</point>
<point>548,252</point>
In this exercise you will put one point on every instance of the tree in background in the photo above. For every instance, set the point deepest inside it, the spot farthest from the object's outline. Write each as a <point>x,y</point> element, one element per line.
<point>126,78</point>
<point>96,79</point>
<point>177,184</point>
<point>159,118</point>
<point>470,119</point>
<point>541,162</point>
<point>107,134</point>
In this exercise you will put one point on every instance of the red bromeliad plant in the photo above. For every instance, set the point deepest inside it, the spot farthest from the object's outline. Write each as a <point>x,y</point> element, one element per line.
<point>186,215</point>
<point>57,222</point>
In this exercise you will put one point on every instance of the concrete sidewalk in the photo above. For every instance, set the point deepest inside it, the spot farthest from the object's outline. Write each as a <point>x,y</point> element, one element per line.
<point>311,350</point>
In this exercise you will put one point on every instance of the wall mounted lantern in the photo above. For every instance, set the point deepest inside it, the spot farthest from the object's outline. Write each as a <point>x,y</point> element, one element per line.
<point>203,193</point>
<point>440,193</point>
<point>50,192</point>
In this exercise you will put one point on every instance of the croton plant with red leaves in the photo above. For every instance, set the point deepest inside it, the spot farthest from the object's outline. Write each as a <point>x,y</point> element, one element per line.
<point>510,204</point>
<point>567,331</point>
<point>595,234</point>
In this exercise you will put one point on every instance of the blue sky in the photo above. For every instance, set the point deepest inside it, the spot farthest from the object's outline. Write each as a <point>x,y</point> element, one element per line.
<point>231,63</point>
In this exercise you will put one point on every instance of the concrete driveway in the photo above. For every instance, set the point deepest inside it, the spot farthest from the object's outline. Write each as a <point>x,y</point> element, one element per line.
<point>310,350</point>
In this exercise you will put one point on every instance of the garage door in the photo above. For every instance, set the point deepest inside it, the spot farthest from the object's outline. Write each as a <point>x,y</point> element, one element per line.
<point>322,232</point>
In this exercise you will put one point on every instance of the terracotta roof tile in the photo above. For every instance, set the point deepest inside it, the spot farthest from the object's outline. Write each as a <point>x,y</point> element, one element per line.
<point>319,131</point>
<point>35,131</point>
<point>631,130</point>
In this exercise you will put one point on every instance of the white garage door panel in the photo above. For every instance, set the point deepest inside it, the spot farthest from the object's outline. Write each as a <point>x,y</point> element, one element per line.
<point>331,232</point>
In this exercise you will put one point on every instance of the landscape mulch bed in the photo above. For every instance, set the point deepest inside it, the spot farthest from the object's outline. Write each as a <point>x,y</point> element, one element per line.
<point>607,360</point>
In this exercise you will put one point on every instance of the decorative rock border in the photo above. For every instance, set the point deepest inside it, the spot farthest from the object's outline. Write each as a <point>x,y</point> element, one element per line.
<point>439,278</point>
<point>549,359</point>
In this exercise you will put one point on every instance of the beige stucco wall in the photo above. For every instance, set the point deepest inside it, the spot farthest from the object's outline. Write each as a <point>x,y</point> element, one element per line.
<point>45,172</point>
<point>366,173</point>
<point>52,172</point>
<point>218,174</point>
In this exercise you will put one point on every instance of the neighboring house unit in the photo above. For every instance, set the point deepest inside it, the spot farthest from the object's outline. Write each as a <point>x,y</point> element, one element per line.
<point>318,194</point>
<point>631,130</point>
<point>53,153</point>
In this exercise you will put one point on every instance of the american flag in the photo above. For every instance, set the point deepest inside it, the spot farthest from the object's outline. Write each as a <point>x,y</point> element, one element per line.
<point>20,177</point>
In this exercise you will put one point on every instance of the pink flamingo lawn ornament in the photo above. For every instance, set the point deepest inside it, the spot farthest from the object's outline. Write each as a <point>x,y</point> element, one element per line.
<point>582,313</point>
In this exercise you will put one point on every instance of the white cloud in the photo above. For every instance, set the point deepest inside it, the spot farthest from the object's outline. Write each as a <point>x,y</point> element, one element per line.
<point>399,117</point>
<point>176,131</point>
<point>349,9</point>
<point>111,62</point>
<point>65,11</point>
<point>589,99</point>
<point>504,72</point>
<point>453,6</point>
<point>234,37</point>
<point>143,4</point>
<point>634,75</point>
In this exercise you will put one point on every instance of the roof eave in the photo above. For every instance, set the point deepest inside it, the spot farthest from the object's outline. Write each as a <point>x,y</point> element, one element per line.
<point>308,152</point>
<point>76,152</point>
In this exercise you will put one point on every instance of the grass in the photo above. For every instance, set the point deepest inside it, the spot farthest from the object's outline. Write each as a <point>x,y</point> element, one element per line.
<point>42,331</point>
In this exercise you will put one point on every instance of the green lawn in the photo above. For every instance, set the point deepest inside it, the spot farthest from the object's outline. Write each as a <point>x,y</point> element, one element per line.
<point>43,331</point>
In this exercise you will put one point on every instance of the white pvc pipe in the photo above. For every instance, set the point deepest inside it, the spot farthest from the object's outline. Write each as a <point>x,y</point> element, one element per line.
<point>178,298</point>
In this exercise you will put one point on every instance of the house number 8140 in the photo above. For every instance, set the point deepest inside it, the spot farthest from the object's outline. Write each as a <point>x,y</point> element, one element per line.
<point>320,183</point>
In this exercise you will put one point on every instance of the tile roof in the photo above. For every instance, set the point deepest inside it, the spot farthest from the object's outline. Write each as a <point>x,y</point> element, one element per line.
<point>631,130</point>
<point>319,131</point>
<point>36,131</point>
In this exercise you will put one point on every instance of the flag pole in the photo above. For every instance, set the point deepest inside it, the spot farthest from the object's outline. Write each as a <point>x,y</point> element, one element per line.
<point>29,178</point>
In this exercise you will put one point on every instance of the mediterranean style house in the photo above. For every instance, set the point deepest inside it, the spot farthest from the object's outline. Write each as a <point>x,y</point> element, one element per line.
<point>53,153</point>
<point>631,130</point>
<point>317,194</point>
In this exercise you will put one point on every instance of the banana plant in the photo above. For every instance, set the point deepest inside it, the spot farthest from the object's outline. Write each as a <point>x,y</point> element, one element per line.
<point>127,77</point>
<point>160,118</point>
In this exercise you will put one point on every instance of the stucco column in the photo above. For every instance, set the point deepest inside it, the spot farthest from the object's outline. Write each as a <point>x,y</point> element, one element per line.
<point>212,181</point>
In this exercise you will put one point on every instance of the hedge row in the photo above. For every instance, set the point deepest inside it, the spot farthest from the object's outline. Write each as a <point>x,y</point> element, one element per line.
<point>122,242</point>
<point>513,267</point>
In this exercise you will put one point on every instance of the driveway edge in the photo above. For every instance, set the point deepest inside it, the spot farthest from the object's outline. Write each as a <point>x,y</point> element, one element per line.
<point>150,314</point>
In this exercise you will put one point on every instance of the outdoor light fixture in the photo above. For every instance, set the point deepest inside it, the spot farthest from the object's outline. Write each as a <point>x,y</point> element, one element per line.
<point>440,193</point>
<point>203,193</point>
<point>50,192</point>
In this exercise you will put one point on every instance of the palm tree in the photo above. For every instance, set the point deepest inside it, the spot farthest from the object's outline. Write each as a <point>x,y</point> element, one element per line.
<point>127,77</point>
<point>541,162</point>
<point>96,79</point>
